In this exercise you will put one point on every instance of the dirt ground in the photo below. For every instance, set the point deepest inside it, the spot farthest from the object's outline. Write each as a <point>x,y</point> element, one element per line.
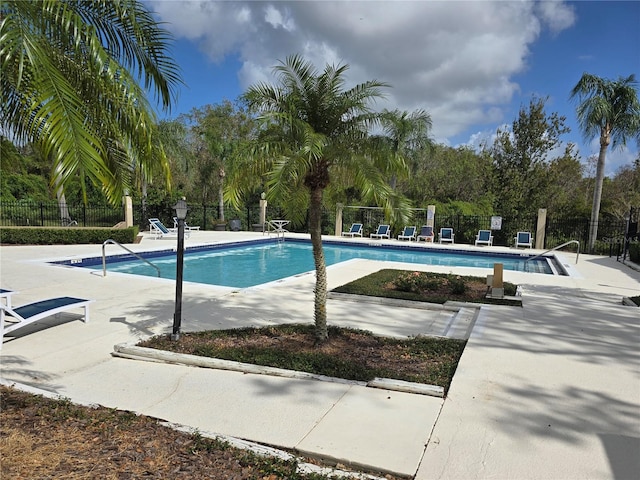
<point>43,439</point>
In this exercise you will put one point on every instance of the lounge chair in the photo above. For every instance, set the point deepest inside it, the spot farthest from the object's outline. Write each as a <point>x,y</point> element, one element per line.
<point>523,239</point>
<point>14,318</point>
<point>354,231</point>
<point>6,294</point>
<point>426,234</point>
<point>186,227</point>
<point>446,235</point>
<point>484,237</point>
<point>160,231</point>
<point>382,232</point>
<point>409,233</point>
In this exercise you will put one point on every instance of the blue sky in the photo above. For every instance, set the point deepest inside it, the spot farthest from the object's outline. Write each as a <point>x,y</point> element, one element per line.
<point>471,65</point>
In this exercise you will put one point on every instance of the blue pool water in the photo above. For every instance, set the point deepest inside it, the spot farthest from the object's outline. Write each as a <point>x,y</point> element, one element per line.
<point>242,266</point>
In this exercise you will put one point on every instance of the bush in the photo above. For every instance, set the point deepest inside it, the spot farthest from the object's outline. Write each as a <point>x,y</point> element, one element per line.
<point>65,236</point>
<point>634,252</point>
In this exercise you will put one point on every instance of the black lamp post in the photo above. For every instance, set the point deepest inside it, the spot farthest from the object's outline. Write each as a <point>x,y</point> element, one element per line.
<point>181,213</point>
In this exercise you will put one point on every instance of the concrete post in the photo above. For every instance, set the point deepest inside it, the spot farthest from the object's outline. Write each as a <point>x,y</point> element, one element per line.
<point>497,284</point>
<point>540,228</point>
<point>263,211</point>
<point>338,227</point>
<point>128,211</point>
<point>431,214</point>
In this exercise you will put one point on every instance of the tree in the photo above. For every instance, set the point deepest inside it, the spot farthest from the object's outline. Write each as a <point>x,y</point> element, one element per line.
<point>69,85</point>
<point>223,131</point>
<point>521,157</point>
<point>611,110</point>
<point>405,133</point>
<point>315,132</point>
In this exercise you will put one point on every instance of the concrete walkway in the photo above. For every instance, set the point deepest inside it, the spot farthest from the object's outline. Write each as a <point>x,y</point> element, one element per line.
<point>551,390</point>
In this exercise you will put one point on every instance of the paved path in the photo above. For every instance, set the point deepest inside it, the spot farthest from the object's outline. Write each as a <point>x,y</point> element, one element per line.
<point>551,390</point>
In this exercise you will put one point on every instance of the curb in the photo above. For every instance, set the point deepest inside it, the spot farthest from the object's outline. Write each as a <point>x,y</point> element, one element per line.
<point>133,352</point>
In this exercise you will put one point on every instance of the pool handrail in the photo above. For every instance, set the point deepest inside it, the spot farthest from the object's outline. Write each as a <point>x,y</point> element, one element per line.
<point>104,260</point>
<point>556,248</point>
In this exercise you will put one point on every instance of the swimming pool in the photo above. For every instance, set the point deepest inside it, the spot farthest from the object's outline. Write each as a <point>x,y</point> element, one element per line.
<point>247,264</point>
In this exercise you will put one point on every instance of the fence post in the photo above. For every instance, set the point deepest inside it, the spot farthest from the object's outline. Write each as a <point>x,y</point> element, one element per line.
<point>431,214</point>
<point>338,226</point>
<point>540,228</point>
<point>128,211</point>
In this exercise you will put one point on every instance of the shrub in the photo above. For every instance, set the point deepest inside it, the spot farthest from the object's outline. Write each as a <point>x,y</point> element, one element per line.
<point>65,236</point>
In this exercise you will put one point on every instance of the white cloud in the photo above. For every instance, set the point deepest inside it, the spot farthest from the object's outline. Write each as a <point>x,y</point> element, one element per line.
<point>457,60</point>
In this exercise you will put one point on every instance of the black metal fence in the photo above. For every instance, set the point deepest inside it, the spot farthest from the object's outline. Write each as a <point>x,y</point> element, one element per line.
<point>611,231</point>
<point>51,214</point>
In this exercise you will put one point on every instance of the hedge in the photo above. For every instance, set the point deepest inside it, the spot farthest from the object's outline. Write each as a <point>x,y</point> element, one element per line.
<point>65,235</point>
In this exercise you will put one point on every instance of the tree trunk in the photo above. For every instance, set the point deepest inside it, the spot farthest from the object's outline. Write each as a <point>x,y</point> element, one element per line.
<point>320,302</point>
<point>65,218</point>
<point>597,196</point>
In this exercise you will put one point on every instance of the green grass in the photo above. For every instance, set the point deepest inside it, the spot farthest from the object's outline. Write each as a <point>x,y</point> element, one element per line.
<point>377,285</point>
<point>349,354</point>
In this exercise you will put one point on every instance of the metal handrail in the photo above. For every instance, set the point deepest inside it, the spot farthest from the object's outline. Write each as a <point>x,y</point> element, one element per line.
<point>556,248</point>
<point>104,258</point>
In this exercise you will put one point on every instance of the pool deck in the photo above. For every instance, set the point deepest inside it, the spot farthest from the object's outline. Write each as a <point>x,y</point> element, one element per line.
<point>550,390</point>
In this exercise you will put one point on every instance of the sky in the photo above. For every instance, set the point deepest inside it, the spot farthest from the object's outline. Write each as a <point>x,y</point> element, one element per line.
<point>472,65</point>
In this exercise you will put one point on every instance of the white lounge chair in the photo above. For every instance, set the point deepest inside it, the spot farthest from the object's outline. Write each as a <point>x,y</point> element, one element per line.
<point>484,237</point>
<point>354,231</point>
<point>523,239</point>
<point>14,318</point>
<point>409,233</point>
<point>160,231</point>
<point>446,235</point>
<point>426,234</point>
<point>186,227</point>
<point>382,232</point>
<point>6,295</point>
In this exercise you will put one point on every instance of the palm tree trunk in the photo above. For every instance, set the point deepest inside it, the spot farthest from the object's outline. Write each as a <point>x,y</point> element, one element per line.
<point>320,301</point>
<point>597,196</point>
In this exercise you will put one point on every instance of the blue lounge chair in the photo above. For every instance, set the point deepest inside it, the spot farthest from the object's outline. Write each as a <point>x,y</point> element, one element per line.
<point>6,294</point>
<point>523,239</point>
<point>382,232</point>
<point>409,233</point>
<point>14,318</point>
<point>186,227</point>
<point>446,235</point>
<point>484,237</point>
<point>426,234</point>
<point>160,231</point>
<point>354,231</point>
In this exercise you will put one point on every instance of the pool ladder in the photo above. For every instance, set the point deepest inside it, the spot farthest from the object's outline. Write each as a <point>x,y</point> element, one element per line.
<point>104,258</point>
<point>557,248</point>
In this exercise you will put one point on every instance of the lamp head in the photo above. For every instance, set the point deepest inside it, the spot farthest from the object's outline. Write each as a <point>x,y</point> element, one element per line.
<point>181,209</point>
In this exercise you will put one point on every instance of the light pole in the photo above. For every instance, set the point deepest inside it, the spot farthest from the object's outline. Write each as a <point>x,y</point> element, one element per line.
<point>181,213</point>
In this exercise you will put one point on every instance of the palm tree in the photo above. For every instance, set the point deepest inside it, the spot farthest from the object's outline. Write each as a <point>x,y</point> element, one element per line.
<point>75,77</point>
<point>610,109</point>
<point>314,132</point>
<point>406,133</point>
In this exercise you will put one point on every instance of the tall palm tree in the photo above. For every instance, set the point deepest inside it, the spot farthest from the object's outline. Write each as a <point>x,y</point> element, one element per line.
<point>75,76</point>
<point>315,132</point>
<point>406,133</point>
<point>610,109</point>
